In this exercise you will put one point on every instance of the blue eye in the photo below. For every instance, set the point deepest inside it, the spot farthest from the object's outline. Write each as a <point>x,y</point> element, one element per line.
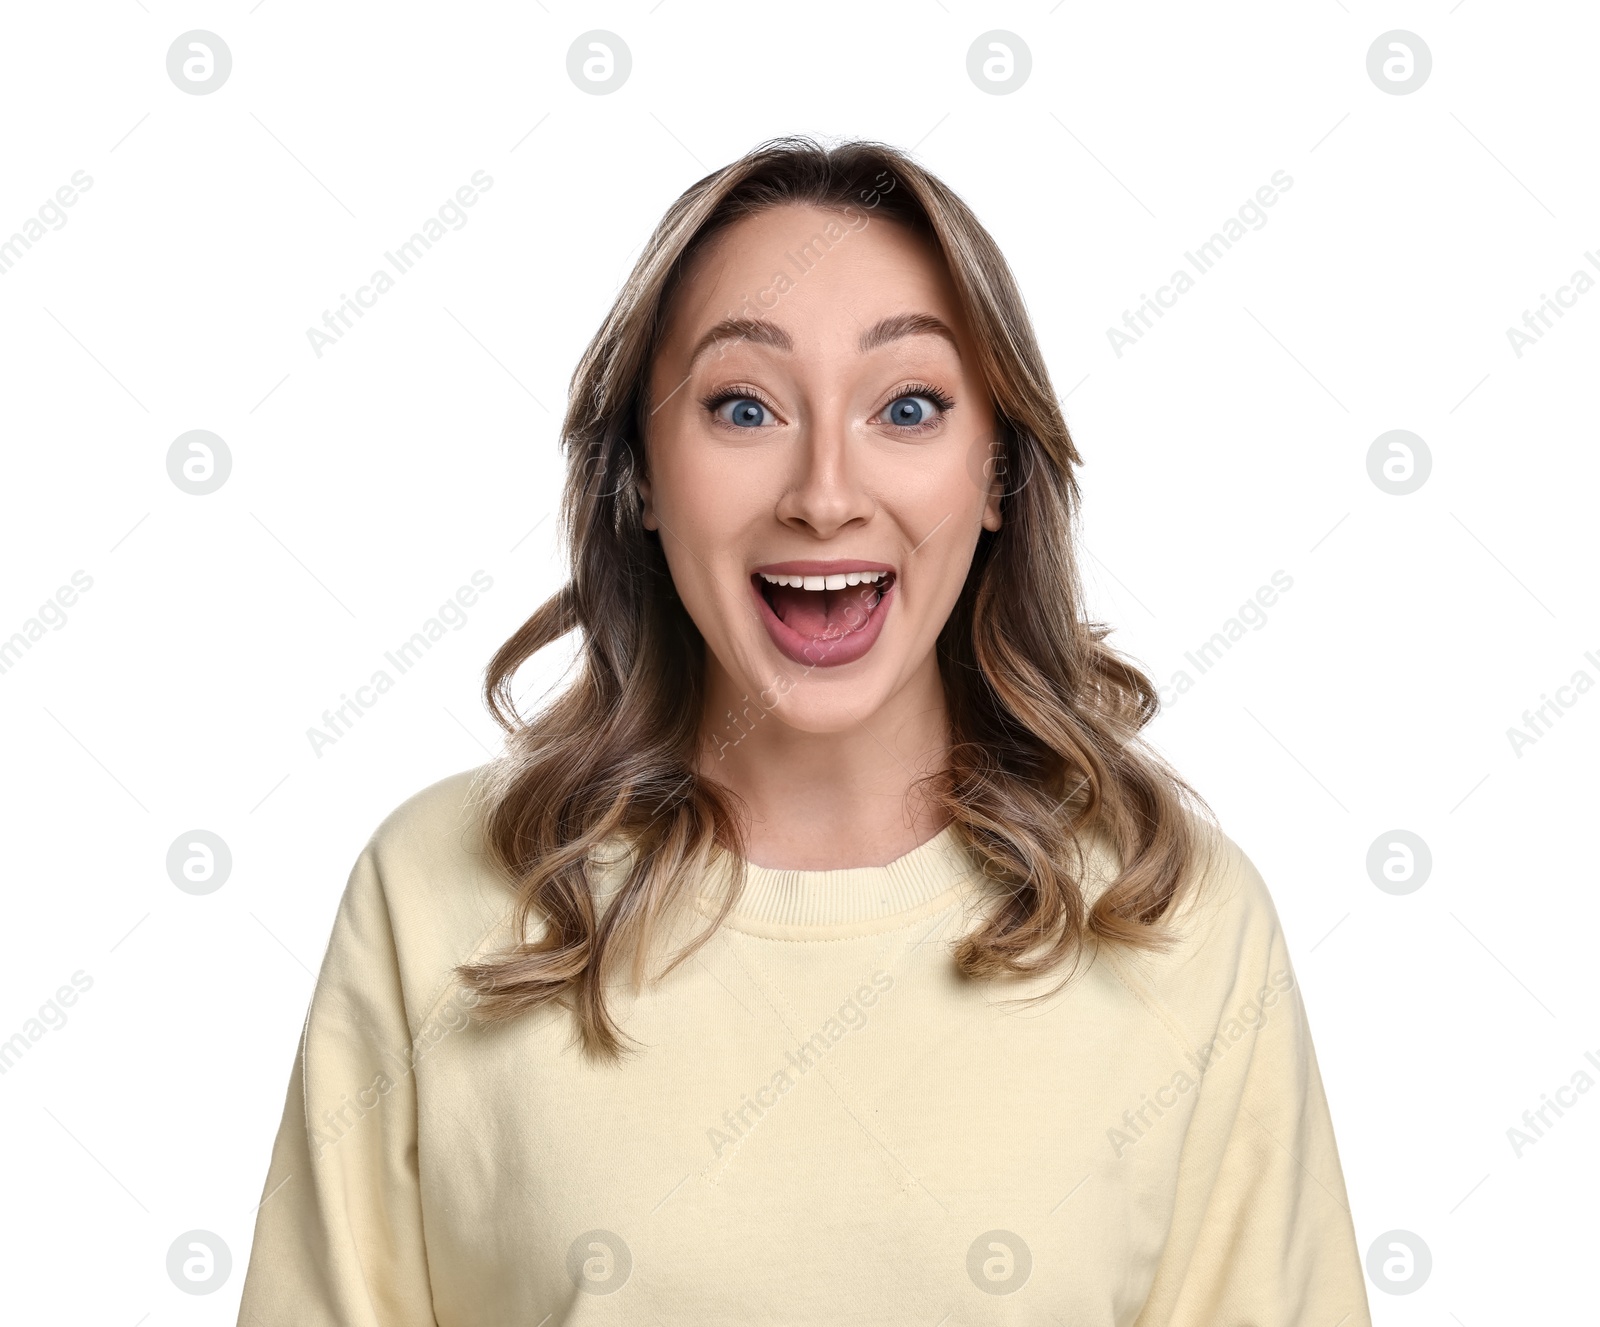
<point>909,411</point>
<point>745,412</point>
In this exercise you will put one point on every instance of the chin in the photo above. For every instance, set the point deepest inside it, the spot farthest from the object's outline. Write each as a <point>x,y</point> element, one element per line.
<point>831,705</point>
<point>775,690</point>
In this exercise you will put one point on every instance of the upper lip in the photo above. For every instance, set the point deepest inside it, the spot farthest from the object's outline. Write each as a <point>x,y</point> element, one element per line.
<point>814,567</point>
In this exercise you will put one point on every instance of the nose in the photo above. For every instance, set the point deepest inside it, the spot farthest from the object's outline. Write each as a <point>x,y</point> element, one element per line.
<point>825,493</point>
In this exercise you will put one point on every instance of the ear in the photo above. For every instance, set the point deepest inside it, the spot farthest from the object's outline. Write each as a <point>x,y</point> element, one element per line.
<point>648,514</point>
<point>994,466</point>
<point>991,505</point>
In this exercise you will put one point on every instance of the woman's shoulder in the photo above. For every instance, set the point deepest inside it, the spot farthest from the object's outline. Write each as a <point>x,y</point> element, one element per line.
<point>1223,923</point>
<point>439,824</point>
<point>443,897</point>
<point>1226,891</point>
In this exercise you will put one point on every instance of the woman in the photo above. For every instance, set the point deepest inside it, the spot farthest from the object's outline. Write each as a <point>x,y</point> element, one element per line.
<point>832,948</point>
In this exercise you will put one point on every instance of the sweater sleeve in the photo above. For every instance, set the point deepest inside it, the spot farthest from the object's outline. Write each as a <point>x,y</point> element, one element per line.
<point>338,1235</point>
<point>1262,1234</point>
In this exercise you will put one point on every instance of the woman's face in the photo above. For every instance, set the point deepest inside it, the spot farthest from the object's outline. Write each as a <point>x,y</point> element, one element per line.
<point>816,460</point>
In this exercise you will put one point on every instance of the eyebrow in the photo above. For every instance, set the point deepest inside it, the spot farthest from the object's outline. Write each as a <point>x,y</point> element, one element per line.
<point>757,330</point>
<point>764,333</point>
<point>907,324</point>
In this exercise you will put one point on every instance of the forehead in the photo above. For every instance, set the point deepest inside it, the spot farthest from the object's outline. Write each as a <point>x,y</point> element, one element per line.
<point>813,271</point>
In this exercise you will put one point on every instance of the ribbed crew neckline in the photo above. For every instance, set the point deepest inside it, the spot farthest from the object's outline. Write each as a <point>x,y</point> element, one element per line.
<point>856,900</point>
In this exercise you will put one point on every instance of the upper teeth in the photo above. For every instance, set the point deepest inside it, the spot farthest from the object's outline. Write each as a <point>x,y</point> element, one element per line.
<point>837,582</point>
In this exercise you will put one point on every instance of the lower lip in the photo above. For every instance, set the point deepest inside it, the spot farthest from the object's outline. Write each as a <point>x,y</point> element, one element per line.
<point>824,651</point>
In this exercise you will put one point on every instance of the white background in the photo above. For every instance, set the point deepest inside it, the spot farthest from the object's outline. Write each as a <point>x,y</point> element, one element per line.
<point>369,483</point>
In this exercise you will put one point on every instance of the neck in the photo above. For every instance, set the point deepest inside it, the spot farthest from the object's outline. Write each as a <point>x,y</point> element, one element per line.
<point>825,801</point>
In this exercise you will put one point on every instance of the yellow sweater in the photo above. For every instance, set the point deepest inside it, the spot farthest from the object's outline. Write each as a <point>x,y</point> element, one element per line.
<point>827,1124</point>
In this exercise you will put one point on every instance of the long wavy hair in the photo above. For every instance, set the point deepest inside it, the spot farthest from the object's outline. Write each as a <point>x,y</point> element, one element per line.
<point>1044,715</point>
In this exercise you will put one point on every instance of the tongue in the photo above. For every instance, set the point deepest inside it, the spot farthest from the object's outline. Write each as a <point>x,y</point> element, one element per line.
<point>818,613</point>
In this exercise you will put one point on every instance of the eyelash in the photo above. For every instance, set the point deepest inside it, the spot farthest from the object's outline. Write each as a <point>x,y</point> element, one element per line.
<point>943,400</point>
<point>734,393</point>
<point>940,398</point>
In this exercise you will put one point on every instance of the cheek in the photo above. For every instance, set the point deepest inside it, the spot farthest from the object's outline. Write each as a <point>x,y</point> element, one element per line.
<point>939,494</point>
<point>690,480</point>
<point>714,495</point>
<point>940,509</point>
<point>698,525</point>
<point>705,595</point>
<point>681,489</point>
<point>701,517</point>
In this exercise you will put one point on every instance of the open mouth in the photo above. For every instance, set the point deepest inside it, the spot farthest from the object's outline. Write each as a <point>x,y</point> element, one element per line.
<point>823,614</point>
